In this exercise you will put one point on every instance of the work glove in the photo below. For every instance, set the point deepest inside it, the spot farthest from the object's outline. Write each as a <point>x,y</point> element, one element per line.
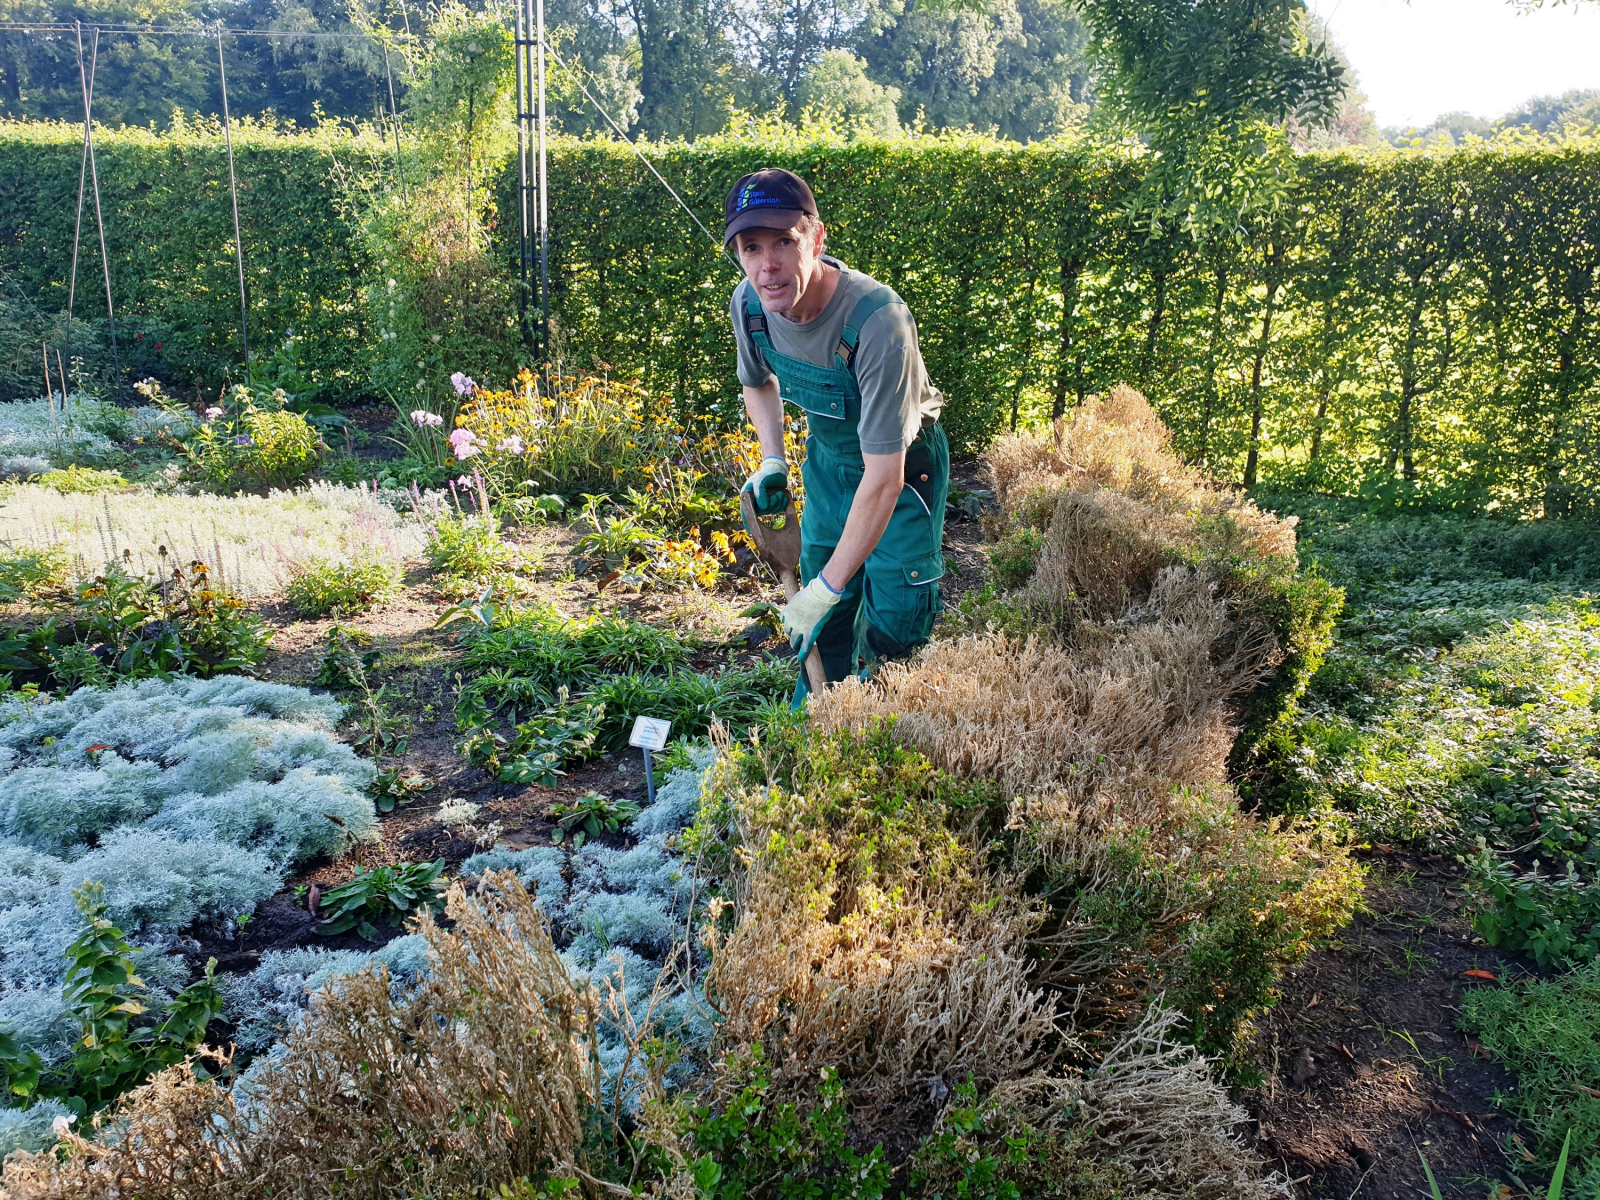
<point>803,616</point>
<point>769,487</point>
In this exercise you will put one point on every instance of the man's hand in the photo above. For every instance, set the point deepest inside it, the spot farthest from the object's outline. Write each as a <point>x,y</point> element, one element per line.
<point>803,616</point>
<point>768,486</point>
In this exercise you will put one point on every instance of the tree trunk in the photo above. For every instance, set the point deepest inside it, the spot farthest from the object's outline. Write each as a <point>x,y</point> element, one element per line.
<point>1158,311</point>
<point>1071,268</point>
<point>1253,459</point>
<point>1211,360</point>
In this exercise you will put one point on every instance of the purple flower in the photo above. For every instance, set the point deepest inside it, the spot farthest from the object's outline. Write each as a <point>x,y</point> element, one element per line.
<point>243,440</point>
<point>463,383</point>
<point>464,442</point>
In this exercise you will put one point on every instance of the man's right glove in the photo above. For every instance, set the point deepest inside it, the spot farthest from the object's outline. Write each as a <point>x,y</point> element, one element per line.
<point>769,487</point>
<point>804,615</point>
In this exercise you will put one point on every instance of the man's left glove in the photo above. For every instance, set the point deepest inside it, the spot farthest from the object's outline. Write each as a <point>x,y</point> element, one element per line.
<point>768,486</point>
<point>803,616</point>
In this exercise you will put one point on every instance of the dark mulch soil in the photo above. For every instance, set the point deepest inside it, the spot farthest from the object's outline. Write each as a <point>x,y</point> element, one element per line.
<point>1365,1065</point>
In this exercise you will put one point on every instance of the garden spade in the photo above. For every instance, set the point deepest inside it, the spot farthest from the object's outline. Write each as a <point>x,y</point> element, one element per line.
<point>779,548</point>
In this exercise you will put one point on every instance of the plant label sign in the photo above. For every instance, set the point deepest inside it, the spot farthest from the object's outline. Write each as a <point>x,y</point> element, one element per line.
<point>650,733</point>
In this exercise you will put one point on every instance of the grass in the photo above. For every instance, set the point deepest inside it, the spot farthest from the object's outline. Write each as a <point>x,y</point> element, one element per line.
<point>249,541</point>
<point>1548,1032</point>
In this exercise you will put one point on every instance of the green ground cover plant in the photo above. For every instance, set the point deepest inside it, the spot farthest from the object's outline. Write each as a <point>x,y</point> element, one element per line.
<point>320,587</point>
<point>1458,710</point>
<point>1546,1031</point>
<point>385,894</point>
<point>545,689</point>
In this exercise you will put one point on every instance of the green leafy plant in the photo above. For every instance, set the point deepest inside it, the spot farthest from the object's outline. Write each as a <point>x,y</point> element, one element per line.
<point>180,622</point>
<point>754,1146</point>
<point>76,480</point>
<point>589,816</point>
<point>384,894</point>
<point>347,655</point>
<point>466,551</point>
<point>392,787</point>
<point>1554,917</point>
<point>248,441</point>
<point>30,573</point>
<point>322,586</point>
<point>117,1051</point>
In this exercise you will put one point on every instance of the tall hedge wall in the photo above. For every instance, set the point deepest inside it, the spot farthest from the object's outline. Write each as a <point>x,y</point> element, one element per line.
<point>1418,326</point>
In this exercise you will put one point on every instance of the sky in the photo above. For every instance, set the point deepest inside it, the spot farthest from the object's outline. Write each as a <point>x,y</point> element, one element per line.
<point>1420,59</point>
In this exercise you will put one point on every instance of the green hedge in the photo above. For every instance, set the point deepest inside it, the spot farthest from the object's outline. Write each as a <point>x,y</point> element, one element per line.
<point>1420,327</point>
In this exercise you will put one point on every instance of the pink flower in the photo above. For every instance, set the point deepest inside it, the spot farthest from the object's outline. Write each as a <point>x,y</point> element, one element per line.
<point>463,383</point>
<point>213,412</point>
<point>462,481</point>
<point>464,442</point>
<point>423,417</point>
<point>511,445</point>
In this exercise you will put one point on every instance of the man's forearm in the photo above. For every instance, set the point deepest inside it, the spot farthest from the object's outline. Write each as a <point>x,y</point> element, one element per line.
<point>870,510</point>
<point>765,410</point>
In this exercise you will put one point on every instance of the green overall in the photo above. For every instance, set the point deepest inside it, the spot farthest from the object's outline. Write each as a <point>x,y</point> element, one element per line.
<point>888,608</point>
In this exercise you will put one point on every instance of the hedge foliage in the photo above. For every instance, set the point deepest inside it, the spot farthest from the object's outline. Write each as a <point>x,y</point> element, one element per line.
<point>1418,326</point>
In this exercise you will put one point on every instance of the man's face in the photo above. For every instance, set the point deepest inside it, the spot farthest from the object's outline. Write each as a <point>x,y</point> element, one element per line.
<point>781,264</point>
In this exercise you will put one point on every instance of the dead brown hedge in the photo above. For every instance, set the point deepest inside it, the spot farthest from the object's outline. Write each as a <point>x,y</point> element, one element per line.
<point>1149,1121</point>
<point>485,1072</point>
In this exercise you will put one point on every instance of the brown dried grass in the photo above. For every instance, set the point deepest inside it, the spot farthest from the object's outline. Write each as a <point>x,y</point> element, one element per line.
<point>483,1073</point>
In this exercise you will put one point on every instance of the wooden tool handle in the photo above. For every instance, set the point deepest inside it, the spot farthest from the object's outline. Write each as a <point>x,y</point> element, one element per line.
<point>816,677</point>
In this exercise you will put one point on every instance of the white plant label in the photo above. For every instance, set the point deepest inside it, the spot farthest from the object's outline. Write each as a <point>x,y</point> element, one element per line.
<point>650,733</point>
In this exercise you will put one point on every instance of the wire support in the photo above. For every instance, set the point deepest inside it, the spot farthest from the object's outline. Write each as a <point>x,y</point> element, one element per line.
<point>722,250</point>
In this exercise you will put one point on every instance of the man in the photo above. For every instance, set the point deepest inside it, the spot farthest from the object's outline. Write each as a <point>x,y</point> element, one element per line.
<point>842,348</point>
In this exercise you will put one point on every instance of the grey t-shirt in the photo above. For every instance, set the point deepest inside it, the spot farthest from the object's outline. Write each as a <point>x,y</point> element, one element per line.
<point>897,399</point>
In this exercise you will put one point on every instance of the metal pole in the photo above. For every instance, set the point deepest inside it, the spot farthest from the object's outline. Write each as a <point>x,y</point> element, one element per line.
<point>99,217</point>
<point>87,87</point>
<point>544,206</point>
<point>233,187</point>
<point>394,116</point>
<point>524,114</point>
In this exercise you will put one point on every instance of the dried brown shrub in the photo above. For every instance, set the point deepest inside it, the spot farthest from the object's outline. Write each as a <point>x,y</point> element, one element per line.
<point>1149,1117</point>
<point>870,941</point>
<point>484,1072</point>
<point>1112,724</point>
<point>1118,443</point>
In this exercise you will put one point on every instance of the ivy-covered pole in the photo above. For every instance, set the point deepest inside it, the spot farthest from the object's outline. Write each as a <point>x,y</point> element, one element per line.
<point>544,202</point>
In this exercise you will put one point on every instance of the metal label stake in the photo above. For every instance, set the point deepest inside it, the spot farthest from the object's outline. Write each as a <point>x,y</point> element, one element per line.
<point>649,733</point>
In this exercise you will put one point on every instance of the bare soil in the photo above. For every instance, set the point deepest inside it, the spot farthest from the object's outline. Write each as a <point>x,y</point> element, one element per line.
<point>1365,1066</point>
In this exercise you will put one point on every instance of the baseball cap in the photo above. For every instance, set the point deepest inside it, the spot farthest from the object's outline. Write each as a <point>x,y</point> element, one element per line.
<point>767,199</point>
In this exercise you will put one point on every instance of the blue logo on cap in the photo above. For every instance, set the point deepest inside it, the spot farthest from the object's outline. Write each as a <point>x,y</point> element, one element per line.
<point>750,198</point>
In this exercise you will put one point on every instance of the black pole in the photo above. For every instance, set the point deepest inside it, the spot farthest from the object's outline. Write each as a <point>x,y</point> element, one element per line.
<point>523,116</point>
<point>233,187</point>
<point>99,217</point>
<point>544,205</point>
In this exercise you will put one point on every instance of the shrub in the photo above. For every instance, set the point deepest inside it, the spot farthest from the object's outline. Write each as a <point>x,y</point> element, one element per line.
<point>497,994</point>
<point>82,480</point>
<point>467,550</point>
<point>248,441</point>
<point>187,799</point>
<point>320,586</point>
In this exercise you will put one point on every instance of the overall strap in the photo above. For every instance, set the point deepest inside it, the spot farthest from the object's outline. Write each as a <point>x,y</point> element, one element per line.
<point>755,321</point>
<point>845,355</point>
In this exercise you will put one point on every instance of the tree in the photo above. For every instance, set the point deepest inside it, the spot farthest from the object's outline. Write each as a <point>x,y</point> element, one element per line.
<point>1017,67</point>
<point>1209,85</point>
